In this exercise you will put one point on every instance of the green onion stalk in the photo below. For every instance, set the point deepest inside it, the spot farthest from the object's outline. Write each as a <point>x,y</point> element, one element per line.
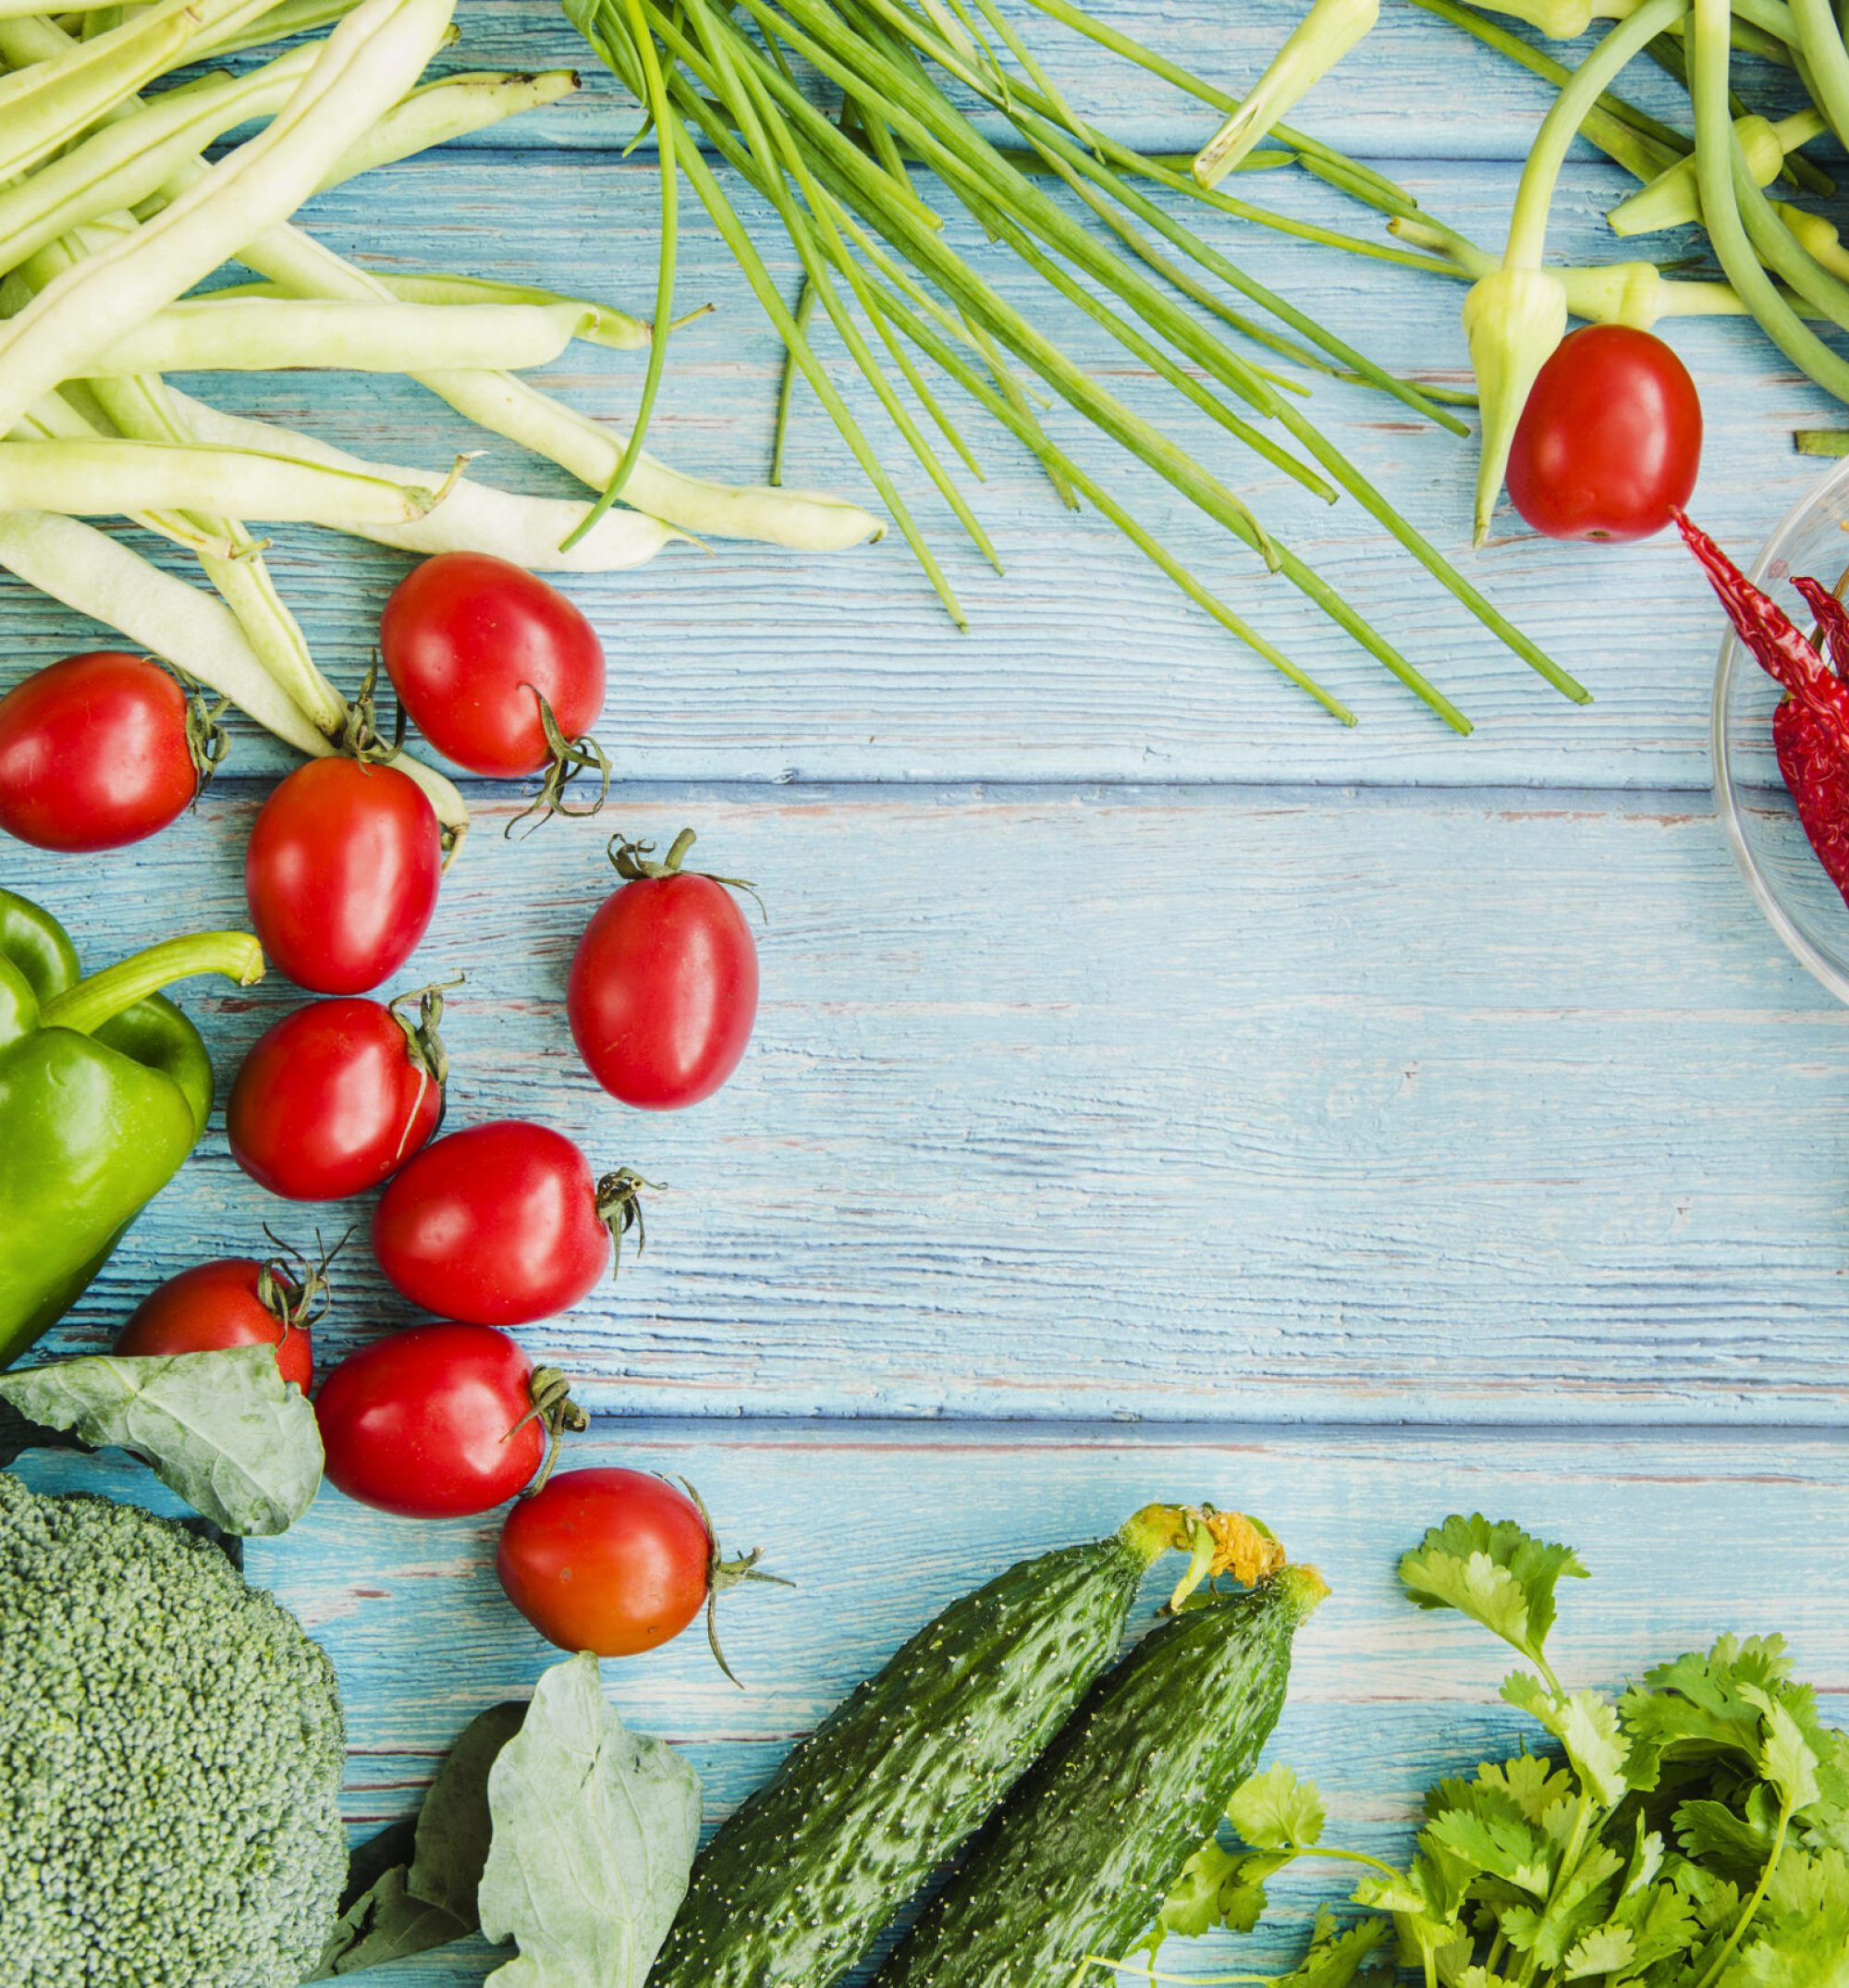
<point>1318,43</point>
<point>923,327</point>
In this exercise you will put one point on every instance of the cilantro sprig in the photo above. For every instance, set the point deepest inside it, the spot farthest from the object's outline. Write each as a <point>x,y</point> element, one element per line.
<point>1694,1833</point>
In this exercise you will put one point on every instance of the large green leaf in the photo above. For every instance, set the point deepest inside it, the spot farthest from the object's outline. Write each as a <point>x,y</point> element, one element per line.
<point>594,1834</point>
<point>223,1430</point>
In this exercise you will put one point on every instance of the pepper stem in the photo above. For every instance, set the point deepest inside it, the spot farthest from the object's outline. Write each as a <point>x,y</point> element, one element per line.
<point>86,1007</point>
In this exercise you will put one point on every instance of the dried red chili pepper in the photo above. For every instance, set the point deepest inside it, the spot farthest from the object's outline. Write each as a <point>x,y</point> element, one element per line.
<point>1832,618</point>
<point>1810,727</point>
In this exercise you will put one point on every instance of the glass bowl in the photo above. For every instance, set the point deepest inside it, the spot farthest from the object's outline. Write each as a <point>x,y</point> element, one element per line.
<point>1800,902</point>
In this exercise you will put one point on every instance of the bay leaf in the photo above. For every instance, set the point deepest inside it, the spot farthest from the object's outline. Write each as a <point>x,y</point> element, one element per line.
<point>455,1826</point>
<point>595,1829</point>
<point>385,1924</point>
<point>412,1886</point>
<point>223,1430</point>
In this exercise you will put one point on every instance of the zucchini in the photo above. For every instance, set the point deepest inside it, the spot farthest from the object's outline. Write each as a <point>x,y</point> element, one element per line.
<point>1080,1856</point>
<point>798,1883</point>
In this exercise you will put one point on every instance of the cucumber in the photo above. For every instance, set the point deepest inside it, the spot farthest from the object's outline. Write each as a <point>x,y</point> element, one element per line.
<point>798,1883</point>
<point>1079,1858</point>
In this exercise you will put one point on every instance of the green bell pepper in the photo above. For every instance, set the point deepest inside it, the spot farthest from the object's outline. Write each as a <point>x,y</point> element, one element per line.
<point>105,1089</point>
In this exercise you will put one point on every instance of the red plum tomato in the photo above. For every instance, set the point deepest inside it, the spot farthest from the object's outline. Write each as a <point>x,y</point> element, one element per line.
<point>1610,442</point>
<point>663,990</point>
<point>499,1224</point>
<point>342,872</point>
<point>336,1097</point>
<point>615,1562</point>
<point>98,751</point>
<point>472,643</point>
<point>213,1306</point>
<point>434,1422</point>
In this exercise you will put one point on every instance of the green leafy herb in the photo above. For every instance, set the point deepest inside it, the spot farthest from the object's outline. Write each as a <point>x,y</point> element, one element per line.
<point>1273,1810</point>
<point>1694,1833</point>
<point>223,1430</point>
<point>1495,1574</point>
<point>594,1834</point>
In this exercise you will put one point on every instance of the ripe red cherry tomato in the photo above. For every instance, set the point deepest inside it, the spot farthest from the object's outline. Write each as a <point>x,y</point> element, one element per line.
<point>501,1223</point>
<point>101,749</point>
<point>615,1562</point>
<point>342,872</point>
<point>438,1421</point>
<point>664,984</point>
<point>472,646</point>
<point>235,1302</point>
<point>337,1097</point>
<point>1610,442</point>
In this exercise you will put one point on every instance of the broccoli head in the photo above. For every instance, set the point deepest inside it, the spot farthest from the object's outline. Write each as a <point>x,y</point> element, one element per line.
<point>170,1759</point>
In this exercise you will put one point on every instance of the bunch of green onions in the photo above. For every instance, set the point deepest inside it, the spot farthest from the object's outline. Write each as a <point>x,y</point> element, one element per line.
<point>110,217</point>
<point>720,78</point>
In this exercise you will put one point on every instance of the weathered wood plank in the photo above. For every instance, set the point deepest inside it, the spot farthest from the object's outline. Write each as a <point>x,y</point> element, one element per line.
<point>880,1525</point>
<point>1149,1104</point>
<point>762,665</point>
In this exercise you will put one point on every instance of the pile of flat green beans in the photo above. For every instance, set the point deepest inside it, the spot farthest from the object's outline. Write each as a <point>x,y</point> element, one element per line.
<point>857,182</point>
<point>110,219</point>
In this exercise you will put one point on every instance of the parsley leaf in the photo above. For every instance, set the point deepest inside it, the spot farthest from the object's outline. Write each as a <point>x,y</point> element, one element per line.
<point>1495,1574</point>
<point>1216,1888</point>
<point>1786,1759</point>
<point>1275,1810</point>
<point>1736,1845</point>
<point>1602,1951</point>
<point>1335,1958</point>
<point>1482,1827</point>
<point>1533,1783</point>
<point>1701,1704</point>
<point>1585,1725</point>
<point>1801,1931</point>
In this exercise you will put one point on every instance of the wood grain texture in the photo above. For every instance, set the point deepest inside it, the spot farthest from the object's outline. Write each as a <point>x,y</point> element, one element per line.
<point>1176,1104</point>
<point>880,1526</point>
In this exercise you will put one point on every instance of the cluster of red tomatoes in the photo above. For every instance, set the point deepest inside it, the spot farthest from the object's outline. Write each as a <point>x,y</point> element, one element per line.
<point>493,1226</point>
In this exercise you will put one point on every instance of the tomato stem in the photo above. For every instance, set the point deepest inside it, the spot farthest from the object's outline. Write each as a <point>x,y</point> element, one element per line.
<point>294,1291</point>
<point>360,736</point>
<point>207,742</point>
<point>620,1211</point>
<point>569,758</point>
<point>722,1574</point>
<point>550,1393</point>
<point>635,862</point>
<point>424,1046</point>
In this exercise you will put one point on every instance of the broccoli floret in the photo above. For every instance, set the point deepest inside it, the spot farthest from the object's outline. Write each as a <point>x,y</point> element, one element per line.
<point>171,1754</point>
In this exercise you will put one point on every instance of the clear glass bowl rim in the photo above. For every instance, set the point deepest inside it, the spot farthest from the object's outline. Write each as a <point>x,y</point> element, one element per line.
<point>1733,655</point>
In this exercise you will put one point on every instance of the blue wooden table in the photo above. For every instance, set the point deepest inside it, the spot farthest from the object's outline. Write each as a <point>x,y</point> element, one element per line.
<point>1159,1090</point>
